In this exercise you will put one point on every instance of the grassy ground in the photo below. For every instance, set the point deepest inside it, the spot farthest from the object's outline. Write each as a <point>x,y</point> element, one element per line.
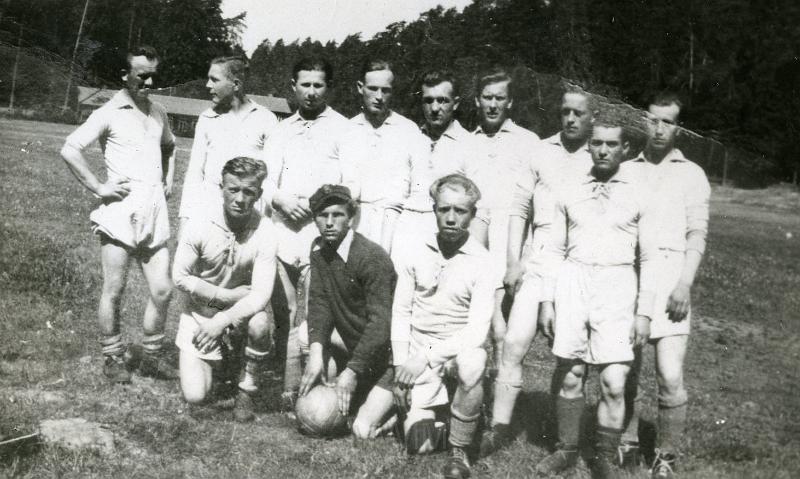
<point>742,368</point>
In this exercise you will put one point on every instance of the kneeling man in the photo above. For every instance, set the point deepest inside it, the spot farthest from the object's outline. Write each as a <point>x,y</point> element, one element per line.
<point>225,265</point>
<point>442,310</point>
<point>349,312</point>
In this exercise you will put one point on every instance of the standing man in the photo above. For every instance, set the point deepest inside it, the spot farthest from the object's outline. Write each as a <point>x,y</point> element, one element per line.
<point>680,194</point>
<point>561,157</point>
<point>302,155</point>
<point>377,155</point>
<point>601,309</point>
<point>139,153</point>
<point>451,149</point>
<point>503,149</point>
<point>225,265</point>
<point>440,319</point>
<point>349,313</point>
<point>233,126</point>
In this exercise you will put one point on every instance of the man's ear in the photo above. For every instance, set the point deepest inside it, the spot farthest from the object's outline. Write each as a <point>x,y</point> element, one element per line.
<point>456,102</point>
<point>294,84</point>
<point>510,104</point>
<point>360,87</point>
<point>626,148</point>
<point>124,73</point>
<point>477,102</point>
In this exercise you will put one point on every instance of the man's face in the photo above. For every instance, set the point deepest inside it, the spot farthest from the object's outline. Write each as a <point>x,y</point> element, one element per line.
<point>576,118</point>
<point>310,90</point>
<point>494,104</point>
<point>607,148</point>
<point>139,78</point>
<point>438,105</point>
<point>239,195</point>
<point>333,223</point>
<point>454,212</point>
<point>662,126</point>
<point>376,92</point>
<point>221,86</point>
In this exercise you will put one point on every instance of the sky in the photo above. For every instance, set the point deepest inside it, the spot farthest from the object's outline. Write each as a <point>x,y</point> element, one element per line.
<point>324,20</point>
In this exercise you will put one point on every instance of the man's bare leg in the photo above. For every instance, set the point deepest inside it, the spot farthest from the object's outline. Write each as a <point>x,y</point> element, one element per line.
<point>155,268</point>
<point>115,260</point>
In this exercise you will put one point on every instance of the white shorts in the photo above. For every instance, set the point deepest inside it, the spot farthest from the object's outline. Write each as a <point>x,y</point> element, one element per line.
<point>594,308</point>
<point>411,229</point>
<point>187,327</point>
<point>140,220</point>
<point>670,266</point>
<point>429,389</point>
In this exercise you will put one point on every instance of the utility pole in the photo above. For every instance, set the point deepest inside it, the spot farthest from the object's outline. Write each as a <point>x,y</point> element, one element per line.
<point>16,69</point>
<point>74,55</point>
<point>130,26</point>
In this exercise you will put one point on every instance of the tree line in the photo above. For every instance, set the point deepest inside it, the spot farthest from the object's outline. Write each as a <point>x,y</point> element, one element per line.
<point>736,62</point>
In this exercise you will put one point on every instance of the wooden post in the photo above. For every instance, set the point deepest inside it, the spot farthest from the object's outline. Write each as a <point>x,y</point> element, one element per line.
<point>74,55</point>
<point>16,69</point>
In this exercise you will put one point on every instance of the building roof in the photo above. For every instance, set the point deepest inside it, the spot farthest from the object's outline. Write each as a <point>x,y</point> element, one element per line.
<point>177,105</point>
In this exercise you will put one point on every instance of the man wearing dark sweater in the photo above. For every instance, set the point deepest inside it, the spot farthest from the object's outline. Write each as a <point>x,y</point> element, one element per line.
<point>349,313</point>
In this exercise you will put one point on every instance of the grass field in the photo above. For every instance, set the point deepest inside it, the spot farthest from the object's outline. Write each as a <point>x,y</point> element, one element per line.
<point>742,370</point>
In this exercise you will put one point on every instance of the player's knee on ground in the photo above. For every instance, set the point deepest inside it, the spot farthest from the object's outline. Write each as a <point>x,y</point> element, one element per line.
<point>471,366</point>
<point>363,428</point>
<point>195,376</point>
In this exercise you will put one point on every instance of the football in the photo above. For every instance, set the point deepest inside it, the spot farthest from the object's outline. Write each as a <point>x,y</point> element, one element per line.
<point>318,413</point>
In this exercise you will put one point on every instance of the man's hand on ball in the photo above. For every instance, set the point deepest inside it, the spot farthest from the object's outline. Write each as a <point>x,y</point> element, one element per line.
<point>313,372</point>
<point>345,387</point>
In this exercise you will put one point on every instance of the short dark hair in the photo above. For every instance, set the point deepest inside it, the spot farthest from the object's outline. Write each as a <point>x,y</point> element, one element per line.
<point>235,65</point>
<point>141,51</point>
<point>666,98</point>
<point>495,75</point>
<point>243,167</point>
<point>459,181</point>
<point>436,77</point>
<point>375,66</point>
<point>613,118</point>
<point>312,64</point>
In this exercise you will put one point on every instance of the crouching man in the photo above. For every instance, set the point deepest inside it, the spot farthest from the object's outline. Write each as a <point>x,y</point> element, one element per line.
<point>225,265</point>
<point>442,310</point>
<point>349,313</point>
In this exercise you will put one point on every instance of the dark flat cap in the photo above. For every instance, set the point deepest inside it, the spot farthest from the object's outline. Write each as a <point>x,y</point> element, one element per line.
<point>322,197</point>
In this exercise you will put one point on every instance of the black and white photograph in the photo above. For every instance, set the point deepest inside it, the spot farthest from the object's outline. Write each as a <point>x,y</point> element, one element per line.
<point>379,239</point>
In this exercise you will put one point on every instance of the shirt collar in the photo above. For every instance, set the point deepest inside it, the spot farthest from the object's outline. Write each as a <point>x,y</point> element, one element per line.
<point>675,155</point>
<point>453,131</point>
<point>297,118</point>
<point>471,247</point>
<point>122,99</point>
<point>217,216</point>
<point>557,141</point>
<point>507,126</point>
<point>344,247</point>
<point>248,103</point>
<point>623,175</point>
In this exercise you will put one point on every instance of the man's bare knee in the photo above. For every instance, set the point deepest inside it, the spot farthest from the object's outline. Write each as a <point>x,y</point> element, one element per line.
<point>259,326</point>
<point>362,428</point>
<point>471,365</point>
<point>613,388</point>
<point>161,293</point>
<point>572,384</point>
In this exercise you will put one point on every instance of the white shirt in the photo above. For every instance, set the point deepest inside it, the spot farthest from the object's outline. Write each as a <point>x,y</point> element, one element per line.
<point>131,140</point>
<point>219,137</point>
<point>377,162</point>
<point>446,304</point>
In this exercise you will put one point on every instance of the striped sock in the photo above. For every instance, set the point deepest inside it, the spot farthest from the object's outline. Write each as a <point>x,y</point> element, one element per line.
<point>153,344</point>
<point>253,364</point>
<point>112,345</point>
<point>462,428</point>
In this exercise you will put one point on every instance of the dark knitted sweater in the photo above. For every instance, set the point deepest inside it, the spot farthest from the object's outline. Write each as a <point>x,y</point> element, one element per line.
<point>356,298</point>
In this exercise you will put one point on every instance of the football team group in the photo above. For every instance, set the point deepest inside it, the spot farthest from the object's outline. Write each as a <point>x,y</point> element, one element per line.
<point>401,257</point>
